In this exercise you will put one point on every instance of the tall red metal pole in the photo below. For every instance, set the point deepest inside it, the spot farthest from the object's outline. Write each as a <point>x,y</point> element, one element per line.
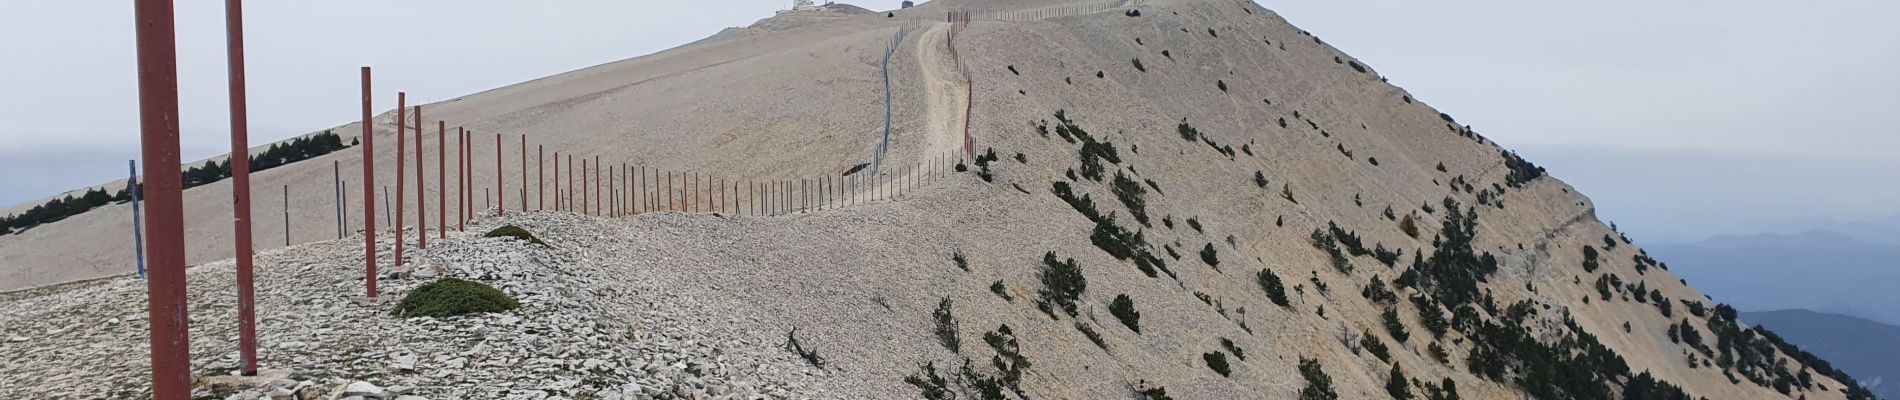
<point>585,210</point>
<point>570,183</point>
<point>613,195</point>
<point>501,202</point>
<point>524,172</point>
<point>597,186</point>
<point>462,179</point>
<point>158,127</point>
<point>369,190</point>
<point>541,177</point>
<point>442,179</point>
<point>402,151</point>
<point>626,187</point>
<point>582,184</point>
<point>626,179</point>
<point>241,188</point>
<point>470,175</point>
<point>422,204</point>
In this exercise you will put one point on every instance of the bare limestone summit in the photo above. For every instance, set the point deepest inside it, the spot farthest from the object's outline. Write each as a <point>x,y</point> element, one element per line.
<point>1186,199</point>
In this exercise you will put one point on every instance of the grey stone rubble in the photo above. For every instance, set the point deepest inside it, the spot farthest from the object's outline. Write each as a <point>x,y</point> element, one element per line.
<point>577,334</point>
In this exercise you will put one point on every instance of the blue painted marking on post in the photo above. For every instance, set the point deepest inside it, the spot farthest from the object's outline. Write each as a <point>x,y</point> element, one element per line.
<point>138,231</point>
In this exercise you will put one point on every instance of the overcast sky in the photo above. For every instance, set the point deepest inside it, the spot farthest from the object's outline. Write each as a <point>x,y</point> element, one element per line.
<point>1681,119</point>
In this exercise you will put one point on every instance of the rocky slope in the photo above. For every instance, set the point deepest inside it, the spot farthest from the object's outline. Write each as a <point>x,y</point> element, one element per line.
<point>1172,153</point>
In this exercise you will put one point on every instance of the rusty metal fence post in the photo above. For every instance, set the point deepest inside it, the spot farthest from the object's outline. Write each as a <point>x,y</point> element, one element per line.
<point>241,189</point>
<point>461,180</point>
<point>369,189</point>
<point>402,151</point>
<point>524,172</point>
<point>422,205</point>
<point>158,126</point>
<point>442,179</point>
<point>501,191</point>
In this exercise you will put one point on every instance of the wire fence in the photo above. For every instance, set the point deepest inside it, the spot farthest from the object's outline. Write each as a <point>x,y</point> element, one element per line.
<point>1066,10</point>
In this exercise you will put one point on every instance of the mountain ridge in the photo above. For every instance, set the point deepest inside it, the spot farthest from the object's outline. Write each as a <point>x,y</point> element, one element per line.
<point>1223,133</point>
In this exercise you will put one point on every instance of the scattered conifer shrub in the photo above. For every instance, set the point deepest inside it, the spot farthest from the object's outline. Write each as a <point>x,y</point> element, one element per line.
<point>931,386</point>
<point>983,165</point>
<point>1130,193</point>
<point>1187,131</point>
<point>1376,291</point>
<point>1430,315</point>
<point>1394,326</point>
<point>1589,258</point>
<point>1233,348</point>
<point>1447,390</point>
<point>1276,291</point>
<point>1522,171</point>
<point>1376,347</point>
<point>1118,242</point>
<point>1009,363</point>
<point>1062,282</point>
<point>1089,332</point>
<point>1210,256</point>
<point>947,327</point>
<point>448,297</point>
<point>1123,308</point>
<point>1217,361</point>
<point>963,264</point>
<point>1453,272</point>
<point>1140,67</point>
<point>1396,384</point>
<point>1319,386</point>
<point>1082,204</point>
<point>1001,291</point>
<point>1153,393</point>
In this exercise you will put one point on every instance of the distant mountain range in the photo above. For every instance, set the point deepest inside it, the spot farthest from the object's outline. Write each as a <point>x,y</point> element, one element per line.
<point>1823,270</point>
<point>1867,350</point>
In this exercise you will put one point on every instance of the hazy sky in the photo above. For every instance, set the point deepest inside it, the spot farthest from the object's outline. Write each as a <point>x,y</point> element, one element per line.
<point>1681,119</point>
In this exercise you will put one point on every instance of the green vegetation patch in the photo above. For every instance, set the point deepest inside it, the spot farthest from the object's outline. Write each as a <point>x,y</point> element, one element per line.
<point>450,297</point>
<point>515,232</point>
